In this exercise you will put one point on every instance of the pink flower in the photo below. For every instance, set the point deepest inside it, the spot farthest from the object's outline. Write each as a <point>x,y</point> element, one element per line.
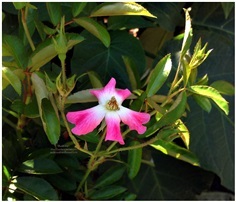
<point>110,108</point>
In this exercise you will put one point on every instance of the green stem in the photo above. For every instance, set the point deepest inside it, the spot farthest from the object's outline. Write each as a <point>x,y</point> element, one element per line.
<point>63,66</point>
<point>135,146</point>
<point>84,178</point>
<point>91,164</point>
<point>23,19</point>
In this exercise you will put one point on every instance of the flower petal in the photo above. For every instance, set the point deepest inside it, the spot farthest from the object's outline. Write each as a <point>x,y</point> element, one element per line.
<point>134,119</point>
<point>86,120</point>
<point>105,94</point>
<point>113,127</point>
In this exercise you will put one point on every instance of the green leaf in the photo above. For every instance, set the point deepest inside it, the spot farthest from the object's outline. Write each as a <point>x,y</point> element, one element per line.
<point>187,33</point>
<point>83,96</point>
<point>215,130</point>
<point>45,51</point>
<point>19,5</point>
<point>11,78</point>
<point>92,55</point>
<point>159,75</point>
<point>173,114</point>
<point>109,177</point>
<point>227,7</point>
<point>223,87</point>
<point>211,93</point>
<point>120,8</point>
<point>134,160</point>
<point>63,181</point>
<point>95,79</point>
<point>176,151</point>
<point>183,132</point>
<point>132,72</point>
<point>40,166</point>
<point>94,28</point>
<point>54,11</point>
<point>170,179</point>
<point>203,102</point>
<point>13,46</point>
<point>77,8</point>
<point>36,187</point>
<point>107,192</point>
<point>51,123</point>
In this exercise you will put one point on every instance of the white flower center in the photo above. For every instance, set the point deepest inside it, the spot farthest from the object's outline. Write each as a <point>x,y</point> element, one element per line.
<point>112,104</point>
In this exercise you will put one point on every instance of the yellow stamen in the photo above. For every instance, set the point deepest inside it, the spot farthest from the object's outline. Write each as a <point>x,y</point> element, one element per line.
<point>112,104</point>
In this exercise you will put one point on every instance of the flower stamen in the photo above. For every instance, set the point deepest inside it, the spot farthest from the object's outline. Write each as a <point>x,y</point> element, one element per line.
<point>112,104</point>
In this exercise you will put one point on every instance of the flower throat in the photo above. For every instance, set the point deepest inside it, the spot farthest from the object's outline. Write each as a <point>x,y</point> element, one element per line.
<point>112,104</point>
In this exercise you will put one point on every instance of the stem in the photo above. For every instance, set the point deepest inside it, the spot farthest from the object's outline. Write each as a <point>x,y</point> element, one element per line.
<point>63,66</point>
<point>135,146</point>
<point>91,163</point>
<point>84,178</point>
<point>23,19</point>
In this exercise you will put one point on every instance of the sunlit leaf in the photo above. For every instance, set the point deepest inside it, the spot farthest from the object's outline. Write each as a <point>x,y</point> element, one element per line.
<point>223,87</point>
<point>11,78</point>
<point>120,8</point>
<point>176,151</point>
<point>211,93</point>
<point>94,28</point>
<point>159,75</point>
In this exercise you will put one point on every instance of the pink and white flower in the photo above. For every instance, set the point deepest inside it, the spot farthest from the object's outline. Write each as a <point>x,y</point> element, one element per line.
<point>110,108</point>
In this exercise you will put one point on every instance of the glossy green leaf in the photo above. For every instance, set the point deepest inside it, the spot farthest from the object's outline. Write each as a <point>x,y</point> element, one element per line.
<point>120,8</point>
<point>77,8</point>
<point>159,75</point>
<point>54,11</point>
<point>45,51</point>
<point>13,46</point>
<point>91,54</point>
<point>223,87</point>
<point>51,123</point>
<point>36,187</point>
<point>211,93</point>
<point>203,102</point>
<point>173,114</point>
<point>19,5</point>
<point>183,132</point>
<point>94,28</point>
<point>95,79</point>
<point>134,160</point>
<point>170,179</point>
<point>81,97</point>
<point>109,177</point>
<point>176,151</point>
<point>12,78</point>
<point>40,166</point>
<point>107,192</point>
<point>42,55</point>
